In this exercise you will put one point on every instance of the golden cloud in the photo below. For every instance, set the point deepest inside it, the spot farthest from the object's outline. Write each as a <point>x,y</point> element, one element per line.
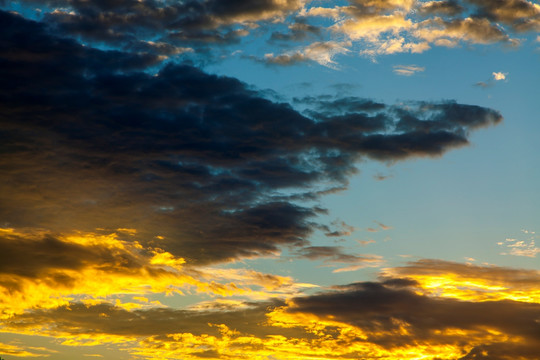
<point>39,270</point>
<point>431,309</point>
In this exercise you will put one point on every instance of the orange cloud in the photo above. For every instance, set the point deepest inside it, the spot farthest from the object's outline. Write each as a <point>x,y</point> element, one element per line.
<point>471,282</point>
<point>430,309</point>
<point>40,270</point>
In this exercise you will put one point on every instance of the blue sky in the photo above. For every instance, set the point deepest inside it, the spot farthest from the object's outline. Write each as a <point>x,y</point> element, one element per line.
<point>280,179</point>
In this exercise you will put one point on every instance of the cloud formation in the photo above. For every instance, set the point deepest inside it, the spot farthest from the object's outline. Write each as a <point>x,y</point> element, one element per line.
<point>131,180</point>
<point>41,270</point>
<point>499,76</point>
<point>407,70</point>
<point>525,247</point>
<point>371,28</point>
<point>471,282</point>
<point>199,161</point>
<point>396,316</point>
<point>127,24</point>
<point>336,256</point>
<point>393,316</point>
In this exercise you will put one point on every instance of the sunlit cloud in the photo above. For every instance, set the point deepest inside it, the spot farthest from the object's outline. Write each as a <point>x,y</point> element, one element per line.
<point>42,271</point>
<point>518,247</point>
<point>444,309</point>
<point>471,282</point>
<point>24,351</point>
<point>320,52</point>
<point>155,206</point>
<point>497,76</point>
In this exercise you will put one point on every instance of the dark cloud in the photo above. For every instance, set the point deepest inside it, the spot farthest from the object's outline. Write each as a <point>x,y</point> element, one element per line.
<point>37,256</point>
<point>391,315</point>
<point>381,309</point>
<point>447,116</point>
<point>483,84</point>
<point>332,106</point>
<point>204,161</point>
<point>199,24</point>
<point>448,7</point>
<point>194,22</point>
<point>333,254</point>
<point>520,15</point>
<point>107,319</point>
<point>299,30</point>
<point>381,177</point>
<point>281,59</point>
<point>366,9</point>
<point>479,30</point>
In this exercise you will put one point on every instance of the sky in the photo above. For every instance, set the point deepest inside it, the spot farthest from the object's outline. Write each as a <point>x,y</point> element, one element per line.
<point>270,179</point>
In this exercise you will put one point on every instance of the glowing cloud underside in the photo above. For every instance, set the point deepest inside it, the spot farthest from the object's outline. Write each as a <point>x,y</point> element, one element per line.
<point>138,192</point>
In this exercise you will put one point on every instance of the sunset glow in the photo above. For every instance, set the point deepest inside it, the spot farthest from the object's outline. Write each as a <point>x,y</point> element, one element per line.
<point>269,180</point>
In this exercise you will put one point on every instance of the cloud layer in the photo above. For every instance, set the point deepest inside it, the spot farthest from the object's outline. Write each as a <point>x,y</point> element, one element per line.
<point>316,32</point>
<point>128,175</point>
<point>396,316</point>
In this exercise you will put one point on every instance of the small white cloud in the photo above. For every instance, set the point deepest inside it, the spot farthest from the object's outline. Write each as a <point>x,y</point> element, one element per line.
<point>499,76</point>
<point>517,247</point>
<point>407,70</point>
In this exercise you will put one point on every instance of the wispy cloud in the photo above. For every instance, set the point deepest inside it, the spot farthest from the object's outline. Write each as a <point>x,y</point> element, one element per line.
<point>381,226</point>
<point>407,70</point>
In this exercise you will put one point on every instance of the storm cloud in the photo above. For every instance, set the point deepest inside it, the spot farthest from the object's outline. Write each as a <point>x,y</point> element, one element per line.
<point>203,161</point>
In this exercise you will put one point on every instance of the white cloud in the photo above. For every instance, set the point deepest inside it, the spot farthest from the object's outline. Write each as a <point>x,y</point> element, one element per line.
<point>517,247</point>
<point>499,76</point>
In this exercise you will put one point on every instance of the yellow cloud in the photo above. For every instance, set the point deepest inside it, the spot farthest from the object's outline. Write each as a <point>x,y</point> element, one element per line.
<point>471,282</point>
<point>371,28</point>
<point>20,351</point>
<point>428,309</point>
<point>89,266</point>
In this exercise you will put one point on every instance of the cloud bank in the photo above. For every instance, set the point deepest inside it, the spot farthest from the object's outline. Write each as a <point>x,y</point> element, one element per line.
<point>202,165</point>
<point>396,316</point>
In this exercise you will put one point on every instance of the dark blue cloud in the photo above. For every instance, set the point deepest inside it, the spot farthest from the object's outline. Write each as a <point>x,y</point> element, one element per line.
<point>101,139</point>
